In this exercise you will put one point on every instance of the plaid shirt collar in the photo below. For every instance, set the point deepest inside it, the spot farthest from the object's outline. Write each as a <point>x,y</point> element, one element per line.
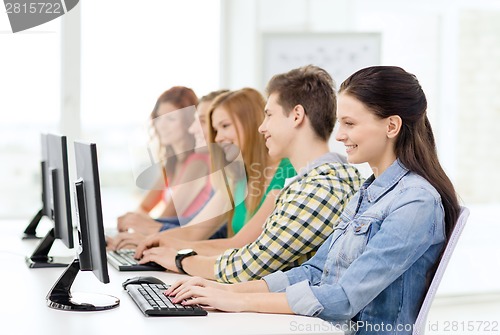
<point>329,157</point>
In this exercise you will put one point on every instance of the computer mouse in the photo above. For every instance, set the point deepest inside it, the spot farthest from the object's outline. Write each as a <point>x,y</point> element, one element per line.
<point>142,280</point>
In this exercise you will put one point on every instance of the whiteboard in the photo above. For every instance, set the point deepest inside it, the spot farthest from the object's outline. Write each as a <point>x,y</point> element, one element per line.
<point>340,54</point>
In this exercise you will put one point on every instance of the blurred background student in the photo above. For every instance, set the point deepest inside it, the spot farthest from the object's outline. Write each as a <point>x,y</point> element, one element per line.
<point>233,120</point>
<point>184,187</point>
<point>135,224</point>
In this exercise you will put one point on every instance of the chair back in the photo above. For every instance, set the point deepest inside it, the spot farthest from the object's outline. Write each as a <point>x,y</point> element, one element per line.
<point>419,326</point>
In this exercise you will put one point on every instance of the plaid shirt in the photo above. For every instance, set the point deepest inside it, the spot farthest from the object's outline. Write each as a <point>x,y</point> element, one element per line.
<point>304,216</point>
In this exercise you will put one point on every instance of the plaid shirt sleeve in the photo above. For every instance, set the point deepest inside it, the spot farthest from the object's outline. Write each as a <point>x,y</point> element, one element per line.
<point>303,218</point>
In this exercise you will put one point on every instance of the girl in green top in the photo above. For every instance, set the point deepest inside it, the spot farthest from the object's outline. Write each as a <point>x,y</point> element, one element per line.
<point>241,216</point>
<point>233,121</point>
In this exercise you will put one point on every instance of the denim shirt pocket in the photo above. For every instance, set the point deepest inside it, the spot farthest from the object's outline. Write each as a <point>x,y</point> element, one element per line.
<point>353,241</point>
<point>339,230</point>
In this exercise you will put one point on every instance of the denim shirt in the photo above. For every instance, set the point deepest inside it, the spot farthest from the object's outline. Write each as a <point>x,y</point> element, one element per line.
<point>371,275</point>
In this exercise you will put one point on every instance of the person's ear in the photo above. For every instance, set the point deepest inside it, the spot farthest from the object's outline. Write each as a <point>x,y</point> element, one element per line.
<point>298,114</point>
<point>394,126</point>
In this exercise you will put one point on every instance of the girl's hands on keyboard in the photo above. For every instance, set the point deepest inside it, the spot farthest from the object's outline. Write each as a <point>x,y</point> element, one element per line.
<point>124,240</point>
<point>199,291</point>
<point>184,283</point>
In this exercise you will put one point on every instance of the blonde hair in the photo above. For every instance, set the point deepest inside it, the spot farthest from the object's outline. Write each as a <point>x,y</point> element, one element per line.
<point>247,106</point>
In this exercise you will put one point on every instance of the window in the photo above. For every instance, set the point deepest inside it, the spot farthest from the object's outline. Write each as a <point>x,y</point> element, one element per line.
<point>132,52</point>
<point>30,104</point>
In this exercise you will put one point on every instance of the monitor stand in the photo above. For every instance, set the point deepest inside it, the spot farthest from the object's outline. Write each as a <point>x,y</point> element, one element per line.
<point>30,231</point>
<point>40,257</point>
<point>60,296</point>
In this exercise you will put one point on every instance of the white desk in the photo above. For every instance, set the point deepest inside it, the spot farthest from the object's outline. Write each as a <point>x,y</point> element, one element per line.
<point>23,309</point>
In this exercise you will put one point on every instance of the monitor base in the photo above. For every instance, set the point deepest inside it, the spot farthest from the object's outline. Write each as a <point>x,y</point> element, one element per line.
<point>30,231</point>
<point>61,298</point>
<point>31,237</point>
<point>83,302</point>
<point>48,262</point>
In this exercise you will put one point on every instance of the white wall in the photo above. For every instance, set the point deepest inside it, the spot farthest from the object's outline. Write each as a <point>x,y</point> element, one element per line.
<point>95,74</point>
<point>443,43</point>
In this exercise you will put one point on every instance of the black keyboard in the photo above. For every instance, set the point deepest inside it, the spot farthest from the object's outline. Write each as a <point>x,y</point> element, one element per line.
<point>123,260</point>
<point>151,301</point>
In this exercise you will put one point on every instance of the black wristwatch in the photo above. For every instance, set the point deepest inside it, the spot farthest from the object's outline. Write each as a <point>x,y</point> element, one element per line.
<point>181,254</point>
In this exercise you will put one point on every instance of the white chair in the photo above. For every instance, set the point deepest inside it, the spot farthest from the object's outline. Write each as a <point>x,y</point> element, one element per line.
<point>420,323</point>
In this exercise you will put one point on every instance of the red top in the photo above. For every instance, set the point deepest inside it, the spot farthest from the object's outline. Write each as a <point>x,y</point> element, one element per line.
<point>203,196</point>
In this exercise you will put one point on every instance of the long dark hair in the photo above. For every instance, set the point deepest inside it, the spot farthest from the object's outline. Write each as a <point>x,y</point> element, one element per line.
<point>390,90</point>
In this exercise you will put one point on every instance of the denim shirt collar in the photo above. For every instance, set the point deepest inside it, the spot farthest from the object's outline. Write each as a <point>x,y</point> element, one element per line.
<point>376,187</point>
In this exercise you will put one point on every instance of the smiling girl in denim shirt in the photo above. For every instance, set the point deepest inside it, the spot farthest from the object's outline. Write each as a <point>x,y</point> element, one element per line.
<point>374,270</point>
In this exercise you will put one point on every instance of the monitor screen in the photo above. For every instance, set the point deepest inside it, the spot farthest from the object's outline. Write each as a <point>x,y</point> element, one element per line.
<point>89,212</point>
<point>30,230</point>
<point>60,202</point>
<point>92,252</point>
<point>56,201</point>
<point>46,194</point>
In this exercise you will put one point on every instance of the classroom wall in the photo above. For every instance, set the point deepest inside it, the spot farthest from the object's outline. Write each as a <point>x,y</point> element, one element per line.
<point>453,47</point>
<point>479,105</point>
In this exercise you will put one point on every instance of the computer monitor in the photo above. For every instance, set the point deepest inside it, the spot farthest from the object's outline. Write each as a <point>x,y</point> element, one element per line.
<point>30,231</point>
<point>92,253</point>
<point>57,203</point>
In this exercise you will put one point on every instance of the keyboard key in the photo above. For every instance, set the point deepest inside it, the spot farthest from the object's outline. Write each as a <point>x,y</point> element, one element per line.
<point>123,260</point>
<point>152,301</point>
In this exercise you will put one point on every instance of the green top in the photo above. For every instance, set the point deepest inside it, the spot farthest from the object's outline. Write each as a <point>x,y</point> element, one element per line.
<point>240,216</point>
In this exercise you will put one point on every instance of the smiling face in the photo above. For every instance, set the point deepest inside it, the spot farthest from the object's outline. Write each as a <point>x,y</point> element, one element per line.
<point>276,128</point>
<point>226,133</point>
<point>364,134</point>
<point>169,124</point>
<point>199,128</point>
